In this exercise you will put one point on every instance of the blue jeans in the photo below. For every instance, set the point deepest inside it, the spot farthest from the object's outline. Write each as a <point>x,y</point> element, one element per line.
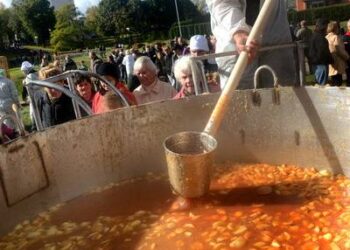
<point>321,73</point>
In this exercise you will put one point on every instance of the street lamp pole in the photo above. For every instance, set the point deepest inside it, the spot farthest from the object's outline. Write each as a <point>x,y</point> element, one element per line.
<point>178,18</point>
<point>128,30</point>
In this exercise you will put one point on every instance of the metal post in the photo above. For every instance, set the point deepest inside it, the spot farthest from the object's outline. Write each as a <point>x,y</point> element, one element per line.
<point>195,77</point>
<point>178,18</point>
<point>75,104</point>
<point>204,78</point>
<point>36,114</point>
<point>301,62</point>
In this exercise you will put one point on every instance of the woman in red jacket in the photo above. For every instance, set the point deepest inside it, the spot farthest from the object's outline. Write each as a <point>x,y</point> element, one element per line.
<point>109,72</point>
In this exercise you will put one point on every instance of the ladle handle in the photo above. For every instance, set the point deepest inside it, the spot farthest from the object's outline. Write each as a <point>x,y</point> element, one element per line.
<point>224,100</point>
<point>18,116</point>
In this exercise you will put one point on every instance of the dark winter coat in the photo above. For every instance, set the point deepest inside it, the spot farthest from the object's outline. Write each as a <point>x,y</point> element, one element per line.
<point>55,112</point>
<point>319,50</point>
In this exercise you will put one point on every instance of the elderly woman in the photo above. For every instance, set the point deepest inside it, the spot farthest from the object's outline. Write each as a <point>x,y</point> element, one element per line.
<point>183,71</point>
<point>183,74</point>
<point>339,54</point>
<point>54,107</point>
<point>30,74</point>
<point>151,88</point>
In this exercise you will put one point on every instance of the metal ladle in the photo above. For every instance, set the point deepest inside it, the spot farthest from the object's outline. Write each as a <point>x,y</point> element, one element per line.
<point>189,155</point>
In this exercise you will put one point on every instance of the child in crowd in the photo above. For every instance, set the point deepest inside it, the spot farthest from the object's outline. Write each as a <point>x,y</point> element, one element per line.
<point>110,101</point>
<point>110,72</point>
<point>84,88</point>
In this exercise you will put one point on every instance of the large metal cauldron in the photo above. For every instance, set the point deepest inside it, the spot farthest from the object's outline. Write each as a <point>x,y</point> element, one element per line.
<point>303,126</point>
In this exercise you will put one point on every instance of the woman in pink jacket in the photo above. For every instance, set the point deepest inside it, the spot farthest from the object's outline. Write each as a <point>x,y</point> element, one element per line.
<point>339,54</point>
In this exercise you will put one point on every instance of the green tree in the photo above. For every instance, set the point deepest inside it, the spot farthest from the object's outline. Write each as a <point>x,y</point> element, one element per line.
<point>69,30</point>
<point>139,15</point>
<point>201,6</point>
<point>15,26</point>
<point>115,16</point>
<point>4,20</point>
<point>91,20</point>
<point>36,16</point>
<point>188,10</point>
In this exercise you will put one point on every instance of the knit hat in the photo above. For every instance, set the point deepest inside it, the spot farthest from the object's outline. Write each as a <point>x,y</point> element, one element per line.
<point>26,66</point>
<point>108,69</point>
<point>199,42</point>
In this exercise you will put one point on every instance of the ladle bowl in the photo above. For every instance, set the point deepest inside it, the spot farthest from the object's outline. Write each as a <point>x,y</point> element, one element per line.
<point>189,158</point>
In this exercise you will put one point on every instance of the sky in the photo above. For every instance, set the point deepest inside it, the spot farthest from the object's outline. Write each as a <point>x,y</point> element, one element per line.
<point>81,4</point>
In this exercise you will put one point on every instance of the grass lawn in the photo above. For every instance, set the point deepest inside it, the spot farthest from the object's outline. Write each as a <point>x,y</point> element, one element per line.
<point>17,76</point>
<point>84,57</point>
<point>26,117</point>
<point>34,47</point>
<point>310,80</point>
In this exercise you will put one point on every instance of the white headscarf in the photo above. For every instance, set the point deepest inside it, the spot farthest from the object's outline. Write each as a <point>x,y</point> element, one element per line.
<point>26,66</point>
<point>199,42</point>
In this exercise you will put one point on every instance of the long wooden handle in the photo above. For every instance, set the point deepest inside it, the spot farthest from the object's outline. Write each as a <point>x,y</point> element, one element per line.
<point>15,108</point>
<point>18,116</point>
<point>238,70</point>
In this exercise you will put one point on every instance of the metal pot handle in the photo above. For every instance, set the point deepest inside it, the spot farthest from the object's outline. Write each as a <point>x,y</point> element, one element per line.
<point>261,68</point>
<point>276,95</point>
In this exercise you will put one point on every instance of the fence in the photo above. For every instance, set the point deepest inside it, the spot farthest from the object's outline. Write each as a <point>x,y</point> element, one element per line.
<point>190,30</point>
<point>333,12</point>
<point>339,12</point>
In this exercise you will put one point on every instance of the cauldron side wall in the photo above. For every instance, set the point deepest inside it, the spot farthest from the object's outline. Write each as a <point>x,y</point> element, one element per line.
<point>307,127</point>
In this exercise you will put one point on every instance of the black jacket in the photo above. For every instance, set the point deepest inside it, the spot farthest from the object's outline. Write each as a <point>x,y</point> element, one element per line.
<point>168,63</point>
<point>57,112</point>
<point>69,65</point>
<point>319,50</point>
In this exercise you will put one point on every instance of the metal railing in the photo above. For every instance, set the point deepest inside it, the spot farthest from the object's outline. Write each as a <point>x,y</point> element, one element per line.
<point>73,96</point>
<point>68,75</point>
<point>295,45</point>
<point>77,101</point>
<point>72,93</point>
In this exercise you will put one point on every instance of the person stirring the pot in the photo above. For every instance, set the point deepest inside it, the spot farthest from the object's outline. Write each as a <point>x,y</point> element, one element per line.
<point>231,22</point>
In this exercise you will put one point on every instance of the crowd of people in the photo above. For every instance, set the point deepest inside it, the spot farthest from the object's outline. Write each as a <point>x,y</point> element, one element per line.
<point>327,50</point>
<point>149,74</point>
<point>158,72</point>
